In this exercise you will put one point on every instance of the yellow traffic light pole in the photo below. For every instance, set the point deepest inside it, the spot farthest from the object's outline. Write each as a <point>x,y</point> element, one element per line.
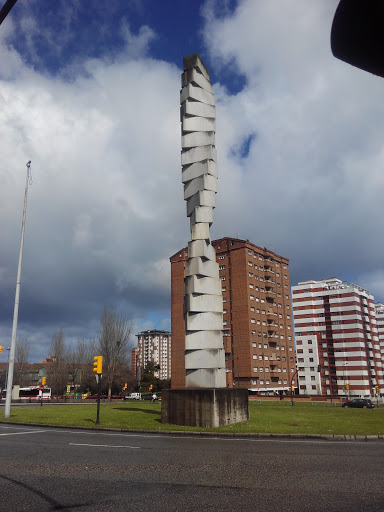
<point>98,369</point>
<point>43,382</point>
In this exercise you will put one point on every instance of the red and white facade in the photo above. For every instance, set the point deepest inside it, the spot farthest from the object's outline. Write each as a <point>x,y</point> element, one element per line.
<point>336,333</point>
<point>379,309</point>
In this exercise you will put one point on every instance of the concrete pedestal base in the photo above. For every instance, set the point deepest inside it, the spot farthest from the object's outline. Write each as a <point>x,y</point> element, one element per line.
<point>204,407</point>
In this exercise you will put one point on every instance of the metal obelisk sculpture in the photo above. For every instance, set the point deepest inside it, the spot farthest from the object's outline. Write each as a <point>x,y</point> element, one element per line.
<point>205,401</point>
<point>203,303</point>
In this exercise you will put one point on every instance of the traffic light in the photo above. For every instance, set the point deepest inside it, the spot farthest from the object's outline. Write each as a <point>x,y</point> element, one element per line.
<point>319,367</point>
<point>43,381</point>
<point>125,386</point>
<point>1,348</point>
<point>150,387</point>
<point>347,385</point>
<point>377,389</point>
<point>98,365</point>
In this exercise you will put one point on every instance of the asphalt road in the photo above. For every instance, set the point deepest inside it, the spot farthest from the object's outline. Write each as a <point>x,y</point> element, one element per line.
<point>45,469</point>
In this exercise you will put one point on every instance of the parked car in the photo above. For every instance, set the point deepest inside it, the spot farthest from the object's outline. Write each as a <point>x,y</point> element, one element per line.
<point>362,403</point>
<point>133,396</point>
<point>151,397</point>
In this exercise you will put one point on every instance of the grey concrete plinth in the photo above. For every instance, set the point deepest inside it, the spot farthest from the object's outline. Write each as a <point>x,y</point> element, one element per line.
<point>204,407</point>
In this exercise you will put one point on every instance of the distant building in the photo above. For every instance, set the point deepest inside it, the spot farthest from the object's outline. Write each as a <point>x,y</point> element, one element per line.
<point>155,346</point>
<point>135,353</point>
<point>257,318</point>
<point>379,309</point>
<point>336,333</point>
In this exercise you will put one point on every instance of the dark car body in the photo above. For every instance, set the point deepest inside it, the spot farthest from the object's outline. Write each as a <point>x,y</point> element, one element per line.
<point>361,403</point>
<point>153,397</point>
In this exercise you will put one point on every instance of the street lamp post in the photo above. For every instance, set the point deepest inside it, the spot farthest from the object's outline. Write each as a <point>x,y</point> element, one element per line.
<point>11,363</point>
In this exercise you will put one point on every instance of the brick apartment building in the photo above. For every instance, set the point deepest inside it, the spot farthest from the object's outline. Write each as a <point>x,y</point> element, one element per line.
<point>134,355</point>
<point>335,327</point>
<point>258,333</point>
<point>155,346</point>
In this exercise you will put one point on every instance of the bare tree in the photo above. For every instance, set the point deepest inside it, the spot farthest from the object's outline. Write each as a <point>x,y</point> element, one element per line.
<point>58,371</point>
<point>113,344</point>
<point>79,364</point>
<point>21,360</point>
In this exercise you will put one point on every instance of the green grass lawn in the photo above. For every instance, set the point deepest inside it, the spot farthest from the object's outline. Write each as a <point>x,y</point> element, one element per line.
<point>269,417</point>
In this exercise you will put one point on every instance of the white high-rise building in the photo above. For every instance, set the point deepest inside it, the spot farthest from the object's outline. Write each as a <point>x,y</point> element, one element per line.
<point>337,341</point>
<point>155,346</point>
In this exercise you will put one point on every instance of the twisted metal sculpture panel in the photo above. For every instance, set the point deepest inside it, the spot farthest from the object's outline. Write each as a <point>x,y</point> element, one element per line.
<point>203,304</point>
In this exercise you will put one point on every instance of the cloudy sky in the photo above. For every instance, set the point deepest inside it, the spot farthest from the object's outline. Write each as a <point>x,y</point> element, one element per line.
<point>89,92</point>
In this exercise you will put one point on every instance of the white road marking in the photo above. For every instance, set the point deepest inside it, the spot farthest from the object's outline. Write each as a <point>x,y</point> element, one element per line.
<point>18,433</point>
<point>104,445</point>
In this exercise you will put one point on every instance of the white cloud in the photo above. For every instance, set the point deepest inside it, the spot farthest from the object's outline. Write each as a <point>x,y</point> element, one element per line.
<point>106,168</point>
<point>311,186</point>
<point>106,208</point>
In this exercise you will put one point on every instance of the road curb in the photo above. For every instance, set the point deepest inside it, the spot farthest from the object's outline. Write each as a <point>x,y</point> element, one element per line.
<point>239,435</point>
